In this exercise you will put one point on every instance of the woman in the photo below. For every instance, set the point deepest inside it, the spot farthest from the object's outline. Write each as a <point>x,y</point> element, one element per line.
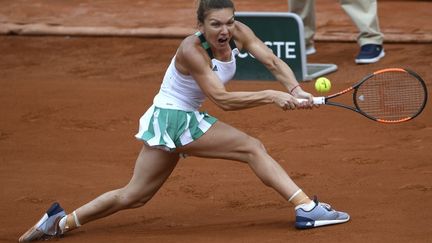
<point>172,126</point>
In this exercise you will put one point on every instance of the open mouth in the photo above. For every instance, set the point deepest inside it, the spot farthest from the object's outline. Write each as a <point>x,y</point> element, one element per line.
<point>222,40</point>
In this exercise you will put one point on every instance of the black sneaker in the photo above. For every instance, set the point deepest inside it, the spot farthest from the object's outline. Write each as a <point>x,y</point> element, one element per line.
<point>370,53</point>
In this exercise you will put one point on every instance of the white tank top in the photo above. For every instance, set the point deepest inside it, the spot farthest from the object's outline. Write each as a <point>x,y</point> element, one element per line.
<point>181,92</point>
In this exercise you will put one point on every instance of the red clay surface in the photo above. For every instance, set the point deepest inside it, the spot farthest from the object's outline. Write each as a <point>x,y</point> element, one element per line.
<point>70,106</point>
<point>399,20</point>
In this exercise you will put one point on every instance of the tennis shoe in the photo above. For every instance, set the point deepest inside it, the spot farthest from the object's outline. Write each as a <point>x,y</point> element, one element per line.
<point>310,50</point>
<point>370,53</point>
<point>320,215</point>
<point>47,227</point>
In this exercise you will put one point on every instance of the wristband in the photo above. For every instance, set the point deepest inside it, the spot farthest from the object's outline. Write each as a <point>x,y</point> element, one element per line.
<point>294,88</point>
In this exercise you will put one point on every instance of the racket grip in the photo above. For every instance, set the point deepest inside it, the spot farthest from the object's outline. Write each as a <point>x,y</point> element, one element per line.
<point>316,100</point>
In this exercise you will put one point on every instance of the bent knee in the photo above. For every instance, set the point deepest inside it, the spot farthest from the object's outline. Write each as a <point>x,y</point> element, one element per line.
<point>255,148</point>
<point>128,199</point>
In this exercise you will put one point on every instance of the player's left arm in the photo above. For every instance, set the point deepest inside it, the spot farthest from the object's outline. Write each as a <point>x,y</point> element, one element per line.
<point>280,70</point>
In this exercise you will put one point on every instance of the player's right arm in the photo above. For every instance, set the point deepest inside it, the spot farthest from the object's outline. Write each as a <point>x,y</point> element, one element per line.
<point>280,70</point>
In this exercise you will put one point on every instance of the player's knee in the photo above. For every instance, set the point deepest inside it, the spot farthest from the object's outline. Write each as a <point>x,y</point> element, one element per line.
<point>255,148</point>
<point>138,203</point>
<point>128,199</point>
<point>258,146</point>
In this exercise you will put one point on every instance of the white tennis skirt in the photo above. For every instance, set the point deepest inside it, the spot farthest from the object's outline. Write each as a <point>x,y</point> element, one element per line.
<point>168,129</point>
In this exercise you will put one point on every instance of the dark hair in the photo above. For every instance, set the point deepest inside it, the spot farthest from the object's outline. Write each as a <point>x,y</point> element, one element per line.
<point>207,5</point>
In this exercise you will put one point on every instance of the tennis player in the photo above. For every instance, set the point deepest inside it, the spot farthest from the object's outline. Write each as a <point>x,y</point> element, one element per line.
<point>173,126</point>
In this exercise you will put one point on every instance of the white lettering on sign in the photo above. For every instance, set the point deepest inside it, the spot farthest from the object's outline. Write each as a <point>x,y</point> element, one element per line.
<point>284,50</point>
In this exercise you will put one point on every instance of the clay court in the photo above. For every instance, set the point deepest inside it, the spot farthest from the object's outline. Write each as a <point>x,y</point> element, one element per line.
<point>70,106</point>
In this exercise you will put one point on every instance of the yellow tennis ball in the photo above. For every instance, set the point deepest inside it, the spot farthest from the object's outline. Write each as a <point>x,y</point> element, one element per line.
<point>322,85</point>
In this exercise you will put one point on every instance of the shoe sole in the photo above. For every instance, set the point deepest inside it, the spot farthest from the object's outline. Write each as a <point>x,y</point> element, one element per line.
<point>370,60</point>
<point>318,223</point>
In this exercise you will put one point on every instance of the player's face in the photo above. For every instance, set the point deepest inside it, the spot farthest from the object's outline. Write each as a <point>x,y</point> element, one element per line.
<point>218,27</point>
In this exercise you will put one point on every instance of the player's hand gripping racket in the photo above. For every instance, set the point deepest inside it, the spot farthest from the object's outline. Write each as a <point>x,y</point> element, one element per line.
<point>389,95</point>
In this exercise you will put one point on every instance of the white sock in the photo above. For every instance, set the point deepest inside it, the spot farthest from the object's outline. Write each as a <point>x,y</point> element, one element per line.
<point>78,224</point>
<point>306,206</point>
<point>62,223</point>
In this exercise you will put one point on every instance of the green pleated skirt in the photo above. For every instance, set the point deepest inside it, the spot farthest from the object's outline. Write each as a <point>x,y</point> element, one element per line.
<point>168,129</point>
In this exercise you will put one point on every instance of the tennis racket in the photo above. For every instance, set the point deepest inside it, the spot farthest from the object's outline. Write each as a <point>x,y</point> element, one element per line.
<point>391,95</point>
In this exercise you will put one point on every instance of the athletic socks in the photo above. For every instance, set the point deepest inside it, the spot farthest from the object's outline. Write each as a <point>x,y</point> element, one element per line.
<point>69,222</point>
<point>299,197</point>
<point>306,206</point>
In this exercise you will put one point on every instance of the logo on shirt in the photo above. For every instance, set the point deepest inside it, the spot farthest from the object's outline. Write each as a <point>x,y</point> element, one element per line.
<point>215,68</point>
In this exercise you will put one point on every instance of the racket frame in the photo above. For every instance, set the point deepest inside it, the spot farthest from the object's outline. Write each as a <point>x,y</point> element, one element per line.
<point>354,88</point>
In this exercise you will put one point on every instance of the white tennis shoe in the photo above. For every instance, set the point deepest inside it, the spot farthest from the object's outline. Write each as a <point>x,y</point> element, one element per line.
<point>47,227</point>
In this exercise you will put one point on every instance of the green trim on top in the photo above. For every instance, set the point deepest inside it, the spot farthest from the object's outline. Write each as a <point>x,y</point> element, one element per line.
<point>206,45</point>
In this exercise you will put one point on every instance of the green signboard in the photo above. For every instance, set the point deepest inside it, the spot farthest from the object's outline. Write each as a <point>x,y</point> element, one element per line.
<point>283,33</point>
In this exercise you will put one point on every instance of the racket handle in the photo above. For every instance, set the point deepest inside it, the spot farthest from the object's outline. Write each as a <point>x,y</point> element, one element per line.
<point>316,100</point>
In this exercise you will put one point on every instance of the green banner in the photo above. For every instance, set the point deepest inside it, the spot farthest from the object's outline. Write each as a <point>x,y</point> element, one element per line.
<point>281,32</point>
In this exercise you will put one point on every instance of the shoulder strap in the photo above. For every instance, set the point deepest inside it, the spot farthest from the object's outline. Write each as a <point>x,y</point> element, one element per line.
<point>205,44</point>
<point>232,44</point>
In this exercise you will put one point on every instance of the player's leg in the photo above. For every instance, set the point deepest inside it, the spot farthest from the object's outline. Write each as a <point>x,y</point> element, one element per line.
<point>152,168</point>
<point>226,142</point>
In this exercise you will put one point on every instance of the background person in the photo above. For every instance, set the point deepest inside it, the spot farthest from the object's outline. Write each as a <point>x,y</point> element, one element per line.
<point>364,14</point>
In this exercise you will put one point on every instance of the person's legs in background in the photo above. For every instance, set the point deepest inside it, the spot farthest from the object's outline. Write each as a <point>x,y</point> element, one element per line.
<point>364,14</point>
<point>306,10</point>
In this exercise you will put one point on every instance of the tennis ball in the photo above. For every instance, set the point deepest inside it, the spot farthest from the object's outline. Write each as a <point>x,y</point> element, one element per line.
<point>322,85</point>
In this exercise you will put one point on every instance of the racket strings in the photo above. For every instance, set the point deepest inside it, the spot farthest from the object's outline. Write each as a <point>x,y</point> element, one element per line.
<point>391,96</point>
